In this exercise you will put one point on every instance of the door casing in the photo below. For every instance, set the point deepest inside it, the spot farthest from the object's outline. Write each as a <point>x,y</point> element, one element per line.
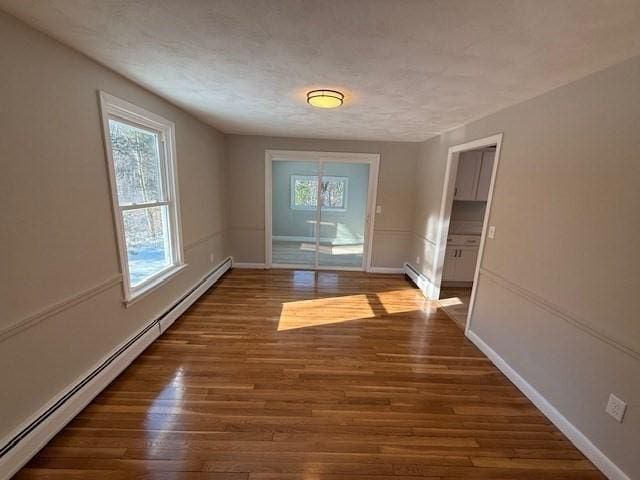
<point>372,159</point>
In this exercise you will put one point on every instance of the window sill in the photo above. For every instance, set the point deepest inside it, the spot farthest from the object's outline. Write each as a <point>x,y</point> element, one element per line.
<point>153,285</point>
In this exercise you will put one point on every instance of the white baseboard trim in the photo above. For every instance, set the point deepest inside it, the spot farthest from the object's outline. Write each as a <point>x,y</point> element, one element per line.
<point>249,265</point>
<point>582,443</point>
<point>22,444</point>
<point>423,283</point>
<point>386,270</point>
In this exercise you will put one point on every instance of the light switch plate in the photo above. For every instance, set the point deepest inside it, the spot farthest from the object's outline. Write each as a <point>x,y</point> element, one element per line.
<point>616,407</point>
<point>379,209</point>
<point>492,231</point>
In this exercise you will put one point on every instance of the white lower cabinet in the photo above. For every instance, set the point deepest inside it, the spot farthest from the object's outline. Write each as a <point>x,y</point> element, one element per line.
<point>460,260</point>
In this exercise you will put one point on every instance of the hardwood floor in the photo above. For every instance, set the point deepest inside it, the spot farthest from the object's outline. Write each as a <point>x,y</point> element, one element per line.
<point>455,303</point>
<point>283,375</point>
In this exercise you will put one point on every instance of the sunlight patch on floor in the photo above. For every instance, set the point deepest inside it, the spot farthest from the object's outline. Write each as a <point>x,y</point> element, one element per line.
<point>450,302</point>
<point>324,311</point>
<point>400,301</point>
<point>333,249</point>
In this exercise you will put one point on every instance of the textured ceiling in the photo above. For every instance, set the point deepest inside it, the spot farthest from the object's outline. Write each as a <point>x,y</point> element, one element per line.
<point>410,68</point>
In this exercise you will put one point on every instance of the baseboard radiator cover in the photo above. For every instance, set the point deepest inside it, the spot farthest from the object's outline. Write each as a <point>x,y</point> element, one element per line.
<point>422,282</point>
<point>18,449</point>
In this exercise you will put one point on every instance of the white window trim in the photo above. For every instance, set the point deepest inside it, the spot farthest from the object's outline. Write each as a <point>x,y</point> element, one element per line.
<point>315,177</point>
<point>113,107</point>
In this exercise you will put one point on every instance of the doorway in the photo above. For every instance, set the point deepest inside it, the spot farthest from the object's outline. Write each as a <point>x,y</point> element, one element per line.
<point>463,227</point>
<point>318,209</point>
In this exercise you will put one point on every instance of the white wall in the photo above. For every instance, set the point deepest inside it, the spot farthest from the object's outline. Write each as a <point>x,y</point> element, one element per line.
<point>246,164</point>
<point>558,291</point>
<point>57,237</point>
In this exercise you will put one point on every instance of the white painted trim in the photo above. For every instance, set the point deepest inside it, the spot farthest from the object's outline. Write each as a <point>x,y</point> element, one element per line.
<point>37,438</point>
<point>58,307</point>
<point>249,265</point>
<point>485,226</point>
<point>154,283</point>
<point>268,208</point>
<point>559,312</point>
<point>390,270</point>
<point>373,159</point>
<point>306,155</point>
<point>111,106</point>
<point>581,442</point>
<point>422,282</point>
<point>444,218</point>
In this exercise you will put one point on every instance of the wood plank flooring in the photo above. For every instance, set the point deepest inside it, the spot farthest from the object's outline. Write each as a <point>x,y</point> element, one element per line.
<point>296,375</point>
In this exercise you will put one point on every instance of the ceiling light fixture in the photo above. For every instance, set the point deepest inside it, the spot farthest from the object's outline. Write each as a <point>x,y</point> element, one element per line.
<point>325,98</point>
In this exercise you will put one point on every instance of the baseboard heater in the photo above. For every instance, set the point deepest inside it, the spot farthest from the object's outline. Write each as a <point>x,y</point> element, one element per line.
<point>170,315</point>
<point>411,272</point>
<point>422,282</point>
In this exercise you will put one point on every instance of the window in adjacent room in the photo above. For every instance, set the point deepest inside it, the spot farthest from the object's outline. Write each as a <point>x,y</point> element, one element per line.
<point>304,193</point>
<point>142,168</point>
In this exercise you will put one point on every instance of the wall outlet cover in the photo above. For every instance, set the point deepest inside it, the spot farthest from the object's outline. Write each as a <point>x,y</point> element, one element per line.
<point>616,407</point>
<point>492,231</point>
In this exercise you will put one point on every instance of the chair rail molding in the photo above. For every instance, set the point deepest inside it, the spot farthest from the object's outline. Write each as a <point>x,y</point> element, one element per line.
<point>58,307</point>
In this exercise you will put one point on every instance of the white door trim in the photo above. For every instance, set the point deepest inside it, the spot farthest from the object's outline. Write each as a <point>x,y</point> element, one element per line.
<point>445,213</point>
<point>372,159</point>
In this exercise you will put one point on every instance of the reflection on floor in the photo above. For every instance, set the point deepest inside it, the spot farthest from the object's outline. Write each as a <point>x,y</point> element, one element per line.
<point>303,253</point>
<point>455,303</point>
<point>301,375</point>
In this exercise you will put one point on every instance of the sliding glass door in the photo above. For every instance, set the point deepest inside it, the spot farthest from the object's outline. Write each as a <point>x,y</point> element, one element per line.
<point>294,213</point>
<point>319,209</point>
<point>343,214</point>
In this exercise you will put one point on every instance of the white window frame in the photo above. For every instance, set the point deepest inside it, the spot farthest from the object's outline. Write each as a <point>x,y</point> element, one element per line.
<point>114,108</point>
<point>294,206</point>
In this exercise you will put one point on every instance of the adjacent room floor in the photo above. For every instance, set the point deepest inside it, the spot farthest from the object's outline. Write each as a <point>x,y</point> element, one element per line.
<point>455,303</point>
<point>304,253</point>
<point>282,375</point>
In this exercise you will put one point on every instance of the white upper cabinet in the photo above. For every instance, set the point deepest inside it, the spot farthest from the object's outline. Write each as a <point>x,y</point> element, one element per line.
<point>474,176</point>
<point>484,179</point>
<point>467,177</point>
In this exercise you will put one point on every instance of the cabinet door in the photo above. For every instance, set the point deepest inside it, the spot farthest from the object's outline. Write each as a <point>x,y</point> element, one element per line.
<point>484,179</point>
<point>449,267</point>
<point>465,266</point>
<point>467,175</point>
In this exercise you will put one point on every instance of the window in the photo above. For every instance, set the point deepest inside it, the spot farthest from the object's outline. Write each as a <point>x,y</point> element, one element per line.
<point>141,157</point>
<point>304,193</point>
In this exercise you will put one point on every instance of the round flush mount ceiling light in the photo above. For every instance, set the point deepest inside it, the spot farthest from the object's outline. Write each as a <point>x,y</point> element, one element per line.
<point>325,98</point>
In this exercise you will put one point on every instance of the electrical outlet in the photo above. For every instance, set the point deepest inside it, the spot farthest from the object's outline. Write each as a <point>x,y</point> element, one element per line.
<point>211,258</point>
<point>492,231</point>
<point>379,209</point>
<point>616,407</point>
